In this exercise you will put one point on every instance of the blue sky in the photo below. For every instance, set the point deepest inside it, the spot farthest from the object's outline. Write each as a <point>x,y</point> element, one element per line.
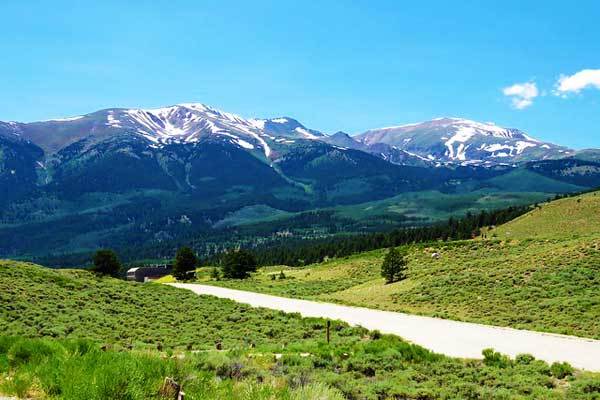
<point>333,65</point>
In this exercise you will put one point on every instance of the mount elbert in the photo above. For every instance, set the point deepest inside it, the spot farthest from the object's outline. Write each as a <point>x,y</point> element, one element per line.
<point>442,141</point>
<point>194,148</point>
<point>133,170</point>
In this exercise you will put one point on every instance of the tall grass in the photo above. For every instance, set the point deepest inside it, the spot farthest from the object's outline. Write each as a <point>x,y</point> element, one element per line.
<point>378,367</point>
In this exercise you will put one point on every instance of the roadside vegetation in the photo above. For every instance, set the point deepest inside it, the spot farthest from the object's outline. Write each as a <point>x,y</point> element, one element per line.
<point>77,335</point>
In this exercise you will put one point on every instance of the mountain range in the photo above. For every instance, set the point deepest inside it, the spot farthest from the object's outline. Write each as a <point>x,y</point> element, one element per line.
<point>131,172</point>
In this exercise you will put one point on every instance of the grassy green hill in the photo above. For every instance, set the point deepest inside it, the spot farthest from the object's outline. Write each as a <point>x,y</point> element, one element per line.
<point>570,217</point>
<point>538,272</point>
<point>58,321</point>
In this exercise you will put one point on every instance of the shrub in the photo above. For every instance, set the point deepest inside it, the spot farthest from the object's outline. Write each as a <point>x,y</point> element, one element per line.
<point>6,343</point>
<point>316,391</point>
<point>561,370</point>
<point>494,359</point>
<point>20,385</point>
<point>215,274</point>
<point>27,351</point>
<point>524,359</point>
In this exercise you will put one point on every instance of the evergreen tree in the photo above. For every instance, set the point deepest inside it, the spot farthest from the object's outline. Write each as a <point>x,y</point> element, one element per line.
<point>215,274</point>
<point>238,264</point>
<point>106,262</point>
<point>394,265</point>
<point>185,261</point>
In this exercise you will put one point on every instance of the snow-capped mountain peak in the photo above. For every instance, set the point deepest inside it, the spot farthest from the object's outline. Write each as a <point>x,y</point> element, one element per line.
<point>460,140</point>
<point>436,142</point>
<point>190,122</point>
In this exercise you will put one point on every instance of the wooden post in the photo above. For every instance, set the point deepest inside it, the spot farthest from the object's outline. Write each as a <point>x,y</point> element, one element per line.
<point>328,331</point>
<point>171,389</point>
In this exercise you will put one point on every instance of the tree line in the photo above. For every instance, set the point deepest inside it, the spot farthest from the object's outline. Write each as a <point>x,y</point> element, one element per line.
<point>303,252</point>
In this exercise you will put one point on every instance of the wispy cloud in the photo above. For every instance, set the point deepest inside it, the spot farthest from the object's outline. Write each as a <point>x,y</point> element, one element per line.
<point>521,94</point>
<point>577,82</point>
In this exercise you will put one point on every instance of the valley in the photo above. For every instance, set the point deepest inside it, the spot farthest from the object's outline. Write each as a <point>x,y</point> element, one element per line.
<point>295,200</point>
<point>146,181</point>
<point>496,245</point>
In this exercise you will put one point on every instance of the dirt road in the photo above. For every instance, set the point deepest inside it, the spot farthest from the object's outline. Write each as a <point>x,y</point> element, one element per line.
<point>452,338</point>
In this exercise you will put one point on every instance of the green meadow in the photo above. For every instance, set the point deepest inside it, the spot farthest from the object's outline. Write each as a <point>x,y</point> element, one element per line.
<point>72,335</point>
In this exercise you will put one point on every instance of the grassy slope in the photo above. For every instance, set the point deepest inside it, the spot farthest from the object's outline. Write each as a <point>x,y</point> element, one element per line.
<point>564,218</point>
<point>76,304</point>
<point>434,206</point>
<point>424,206</point>
<point>548,283</point>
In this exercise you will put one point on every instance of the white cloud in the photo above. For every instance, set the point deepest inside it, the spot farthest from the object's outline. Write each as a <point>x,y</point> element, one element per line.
<point>577,82</point>
<point>521,94</point>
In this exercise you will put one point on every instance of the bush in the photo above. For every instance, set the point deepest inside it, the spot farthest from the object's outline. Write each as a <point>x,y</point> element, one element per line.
<point>524,359</point>
<point>494,359</point>
<point>215,274</point>
<point>561,370</point>
<point>106,262</point>
<point>239,264</point>
<point>394,266</point>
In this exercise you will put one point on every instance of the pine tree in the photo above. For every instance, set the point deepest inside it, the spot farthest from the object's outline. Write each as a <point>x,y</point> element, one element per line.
<point>394,265</point>
<point>185,261</point>
<point>106,262</point>
<point>238,264</point>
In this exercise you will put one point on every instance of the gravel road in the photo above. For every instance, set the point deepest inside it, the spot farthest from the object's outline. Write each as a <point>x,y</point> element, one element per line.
<point>452,338</point>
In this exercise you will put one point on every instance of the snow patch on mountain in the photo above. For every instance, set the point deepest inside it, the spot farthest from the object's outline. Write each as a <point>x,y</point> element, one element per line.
<point>462,135</point>
<point>257,123</point>
<point>67,119</point>
<point>306,133</point>
<point>245,144</point>
<point>112,120</point>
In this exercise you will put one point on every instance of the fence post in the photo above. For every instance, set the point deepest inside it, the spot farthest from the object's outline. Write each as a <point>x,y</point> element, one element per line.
<point>328,331</point>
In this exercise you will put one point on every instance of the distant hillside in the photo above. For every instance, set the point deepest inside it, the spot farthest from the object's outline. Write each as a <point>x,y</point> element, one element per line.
<point>145,181</point>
